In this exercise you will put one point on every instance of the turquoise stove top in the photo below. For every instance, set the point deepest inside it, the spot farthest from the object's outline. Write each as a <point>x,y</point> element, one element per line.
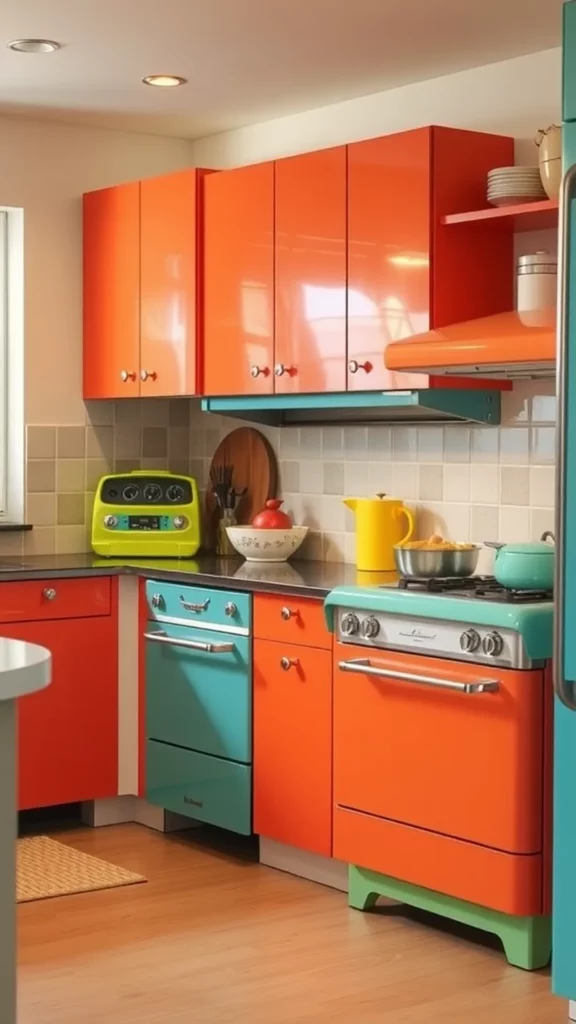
<point>533,621</point>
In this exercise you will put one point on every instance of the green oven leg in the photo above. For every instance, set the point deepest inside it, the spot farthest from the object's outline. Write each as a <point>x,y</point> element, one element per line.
<point>527,941</point>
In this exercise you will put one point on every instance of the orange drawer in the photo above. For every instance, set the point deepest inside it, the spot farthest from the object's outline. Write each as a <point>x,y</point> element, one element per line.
<point>55,599</point>
<point>295,620</point>
<point>502,881</point>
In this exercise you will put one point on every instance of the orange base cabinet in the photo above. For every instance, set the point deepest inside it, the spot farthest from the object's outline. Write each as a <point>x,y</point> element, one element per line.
<point>68,733</point>
<point>293,745</point>
<point>142,306</point>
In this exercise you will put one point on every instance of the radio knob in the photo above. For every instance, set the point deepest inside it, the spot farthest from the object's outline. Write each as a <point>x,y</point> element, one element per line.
<point>350,624</point>
<point>469,641</point>
<point>111,521</point>
<point>180,522</point>
<point>370,627</point>
<point>492,645</point>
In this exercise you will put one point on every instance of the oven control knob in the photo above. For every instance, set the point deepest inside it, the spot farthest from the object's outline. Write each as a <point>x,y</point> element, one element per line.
<point>180,522</point>
<point>350,624</point>
<point>492,644</point>
<point>370,628</point>
<point>469,641</point>
<point>110,521</point>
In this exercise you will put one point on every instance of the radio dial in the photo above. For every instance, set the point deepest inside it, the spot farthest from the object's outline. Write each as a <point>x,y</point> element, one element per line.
<point>180,522</point>
<point>110,521</point>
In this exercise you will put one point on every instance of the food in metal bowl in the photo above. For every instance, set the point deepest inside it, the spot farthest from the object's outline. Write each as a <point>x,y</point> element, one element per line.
<point>436,556</point>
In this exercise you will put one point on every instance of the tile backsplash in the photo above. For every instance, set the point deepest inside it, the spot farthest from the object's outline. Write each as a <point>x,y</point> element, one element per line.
<point>467,482</point>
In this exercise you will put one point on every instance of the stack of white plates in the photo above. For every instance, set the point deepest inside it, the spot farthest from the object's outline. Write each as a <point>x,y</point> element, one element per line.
<point>510,185</point>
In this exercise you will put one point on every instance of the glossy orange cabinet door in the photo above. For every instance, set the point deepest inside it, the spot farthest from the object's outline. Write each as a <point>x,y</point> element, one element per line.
<point>239,281</point>
<point>389,241</point>
<point>111,301</point>
<point>293,745</point>
<point>310,272</point>
<point>169,284</point>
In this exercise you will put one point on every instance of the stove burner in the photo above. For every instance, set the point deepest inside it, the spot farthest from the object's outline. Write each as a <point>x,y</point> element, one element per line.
<point>484,588</point>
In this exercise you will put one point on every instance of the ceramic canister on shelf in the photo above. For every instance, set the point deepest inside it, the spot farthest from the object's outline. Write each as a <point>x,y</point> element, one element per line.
<point>536,281</point>
<point>549,142</point>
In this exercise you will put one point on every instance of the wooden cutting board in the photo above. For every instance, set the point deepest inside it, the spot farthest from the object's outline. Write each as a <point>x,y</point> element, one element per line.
<point>255,467</point>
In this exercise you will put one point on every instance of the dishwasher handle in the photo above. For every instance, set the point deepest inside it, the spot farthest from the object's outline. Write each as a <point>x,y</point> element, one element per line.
<point>363,666</point>
<point>191,645</point>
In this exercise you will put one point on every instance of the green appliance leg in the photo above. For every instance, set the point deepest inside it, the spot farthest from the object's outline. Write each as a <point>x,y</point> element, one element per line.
<point>526,940</point>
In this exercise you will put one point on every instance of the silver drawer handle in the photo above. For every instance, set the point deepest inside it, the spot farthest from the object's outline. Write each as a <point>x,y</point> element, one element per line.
<point>363,666</point>
<point>288,613</point>
<point>192,645</point>
<point>287,663</point>
<point>190,607</point>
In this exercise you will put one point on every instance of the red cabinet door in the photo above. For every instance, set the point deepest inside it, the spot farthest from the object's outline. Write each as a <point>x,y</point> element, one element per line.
<point>310,272</point>
<point>68,733</point>
<point>111,301</point>
<point>388,253</point>
<point>169,279</point>
<point>239,281</point>
<point>293,745</point>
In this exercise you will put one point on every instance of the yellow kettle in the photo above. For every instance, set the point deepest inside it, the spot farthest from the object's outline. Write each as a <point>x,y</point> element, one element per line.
<point>380,524</point>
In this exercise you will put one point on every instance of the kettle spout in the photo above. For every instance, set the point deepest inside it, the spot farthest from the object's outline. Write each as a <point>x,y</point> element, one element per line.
<point>350,503</point>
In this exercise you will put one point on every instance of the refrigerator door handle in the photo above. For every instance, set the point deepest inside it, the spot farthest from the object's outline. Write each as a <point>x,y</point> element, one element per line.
<point>564,690</point>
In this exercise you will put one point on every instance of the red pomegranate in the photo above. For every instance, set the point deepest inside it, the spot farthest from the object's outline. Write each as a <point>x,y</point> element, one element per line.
<point>272,518</point>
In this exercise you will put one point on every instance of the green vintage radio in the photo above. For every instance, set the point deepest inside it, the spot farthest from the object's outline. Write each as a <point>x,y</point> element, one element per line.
<point>147,514</point>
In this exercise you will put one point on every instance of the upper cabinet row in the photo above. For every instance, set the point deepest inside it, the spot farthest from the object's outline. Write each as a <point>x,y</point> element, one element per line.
<point>293,275</point>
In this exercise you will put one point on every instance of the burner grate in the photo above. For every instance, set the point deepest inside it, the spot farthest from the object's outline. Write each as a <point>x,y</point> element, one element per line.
<point>484,588</point>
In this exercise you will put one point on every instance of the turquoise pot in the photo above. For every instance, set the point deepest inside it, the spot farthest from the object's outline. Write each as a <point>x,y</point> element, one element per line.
<point>525,566</point>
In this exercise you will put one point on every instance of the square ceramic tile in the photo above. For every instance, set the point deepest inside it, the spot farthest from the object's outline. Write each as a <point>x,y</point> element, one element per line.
<point>70,509</point>
<point>128,412</point>
<point>178,443</point>
<point>211,442</point>
<point>128,442</point>
<point>120,466</point>
<point>312,547</point>
<point>333,514</point>
<point>332,442</point>
<point>100,413</point>
<point>544,407</point>
<point>311,477</point>
<point>41,509</point>
<point>356,443</point>
<point>71,442</point>
<point>290,443</point>
<point>514,446</point>
<point>155,463</point>
<point>456,520</point>
<point>333,478</point>
<point>356,479</point>
<point>404,444</point>
<point>456,444</point>
<point>485,444</point>
<point>41,442</point>
<point>71,539</point>
<point>405,480</point>
<point>310,442</point>
<point>430,482</point>
<point>71,475</point>
<point>542,486</point>
<point>513,523</point>
<point>379,443</point>
<point>41,475</point>
<point>333,547</point>
<point>155,412</point>
<point>456,482</point>
<point>483,523</point>
<point>40,541</point>
<point>290,476</point>
<point>485,483</point>
<point>154,442</point>
<point>381,477</point>
<point>541,520</point>
<point>95,469</point>
<point>430,444</point>
<point>542,445</point>
<point>514,485</point>
<point>179,413</point>
<point>11,545</point>
<point>179,466</point>
<point>100,442</point>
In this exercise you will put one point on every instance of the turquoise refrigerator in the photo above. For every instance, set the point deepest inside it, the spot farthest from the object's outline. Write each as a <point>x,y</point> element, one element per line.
<point>564,871</point>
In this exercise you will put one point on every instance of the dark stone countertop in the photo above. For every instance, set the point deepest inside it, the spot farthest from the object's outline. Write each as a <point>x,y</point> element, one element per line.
<point>312,579</point>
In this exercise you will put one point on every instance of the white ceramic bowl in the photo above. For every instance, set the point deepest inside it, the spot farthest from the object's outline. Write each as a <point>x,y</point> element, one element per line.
<point>266,545</point>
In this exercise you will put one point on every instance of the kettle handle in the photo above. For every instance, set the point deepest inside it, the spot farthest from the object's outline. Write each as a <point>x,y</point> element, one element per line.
<point>410,517</point>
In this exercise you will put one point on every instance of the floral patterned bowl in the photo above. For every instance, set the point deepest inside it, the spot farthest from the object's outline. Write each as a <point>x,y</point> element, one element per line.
<point>266,545</point>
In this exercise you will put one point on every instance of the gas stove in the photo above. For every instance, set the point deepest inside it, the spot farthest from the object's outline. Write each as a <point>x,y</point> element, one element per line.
<point>473,620</point>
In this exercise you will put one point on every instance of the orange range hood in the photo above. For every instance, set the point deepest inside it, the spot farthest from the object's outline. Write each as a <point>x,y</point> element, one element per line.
<point>508,345</point>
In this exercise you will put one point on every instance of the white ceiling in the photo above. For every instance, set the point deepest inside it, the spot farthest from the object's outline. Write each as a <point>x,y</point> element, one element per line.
<point>247,60</point>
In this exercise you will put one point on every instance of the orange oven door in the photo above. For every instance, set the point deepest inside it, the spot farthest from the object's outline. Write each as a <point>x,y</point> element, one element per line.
<point>438,774</point>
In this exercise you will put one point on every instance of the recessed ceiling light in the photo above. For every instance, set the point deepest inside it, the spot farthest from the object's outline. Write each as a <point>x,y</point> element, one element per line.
<point>164,81</point>
<point>34,45</point>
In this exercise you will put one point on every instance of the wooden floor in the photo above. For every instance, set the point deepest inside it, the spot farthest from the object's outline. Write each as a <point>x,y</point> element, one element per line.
<point>214,939</point>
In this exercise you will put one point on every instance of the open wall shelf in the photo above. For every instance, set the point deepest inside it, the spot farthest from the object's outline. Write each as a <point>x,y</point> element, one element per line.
<point>524,216</point>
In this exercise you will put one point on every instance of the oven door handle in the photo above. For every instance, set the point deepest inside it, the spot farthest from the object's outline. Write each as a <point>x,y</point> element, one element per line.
<point>191,645</point>
<point>363,666</point>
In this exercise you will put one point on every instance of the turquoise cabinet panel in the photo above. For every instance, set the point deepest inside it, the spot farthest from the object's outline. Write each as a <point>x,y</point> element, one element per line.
<point>198,605</point>
<point>206,788</point>
<point>200,699</point>
<point>569,63</point>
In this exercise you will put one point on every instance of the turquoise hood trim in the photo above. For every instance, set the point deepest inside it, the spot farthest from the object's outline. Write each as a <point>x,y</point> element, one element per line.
<point>532,621</point>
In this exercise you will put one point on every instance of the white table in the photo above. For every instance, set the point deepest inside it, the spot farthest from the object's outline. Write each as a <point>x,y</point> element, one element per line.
<point>24,668</point>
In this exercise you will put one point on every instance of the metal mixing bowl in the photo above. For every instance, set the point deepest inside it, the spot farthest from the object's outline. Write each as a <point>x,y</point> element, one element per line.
<point>418,562</point>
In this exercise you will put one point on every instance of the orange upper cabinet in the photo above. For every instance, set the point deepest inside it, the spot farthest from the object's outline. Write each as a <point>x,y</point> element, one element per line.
<point>239,281</point>
<point>388,253</point>
<point>310,272</point>
<point>111,311</point>
<point>142,289</point>
<point>169,277</point>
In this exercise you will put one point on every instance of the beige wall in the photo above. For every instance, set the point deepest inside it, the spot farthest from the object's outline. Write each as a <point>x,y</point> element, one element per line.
<point>45,168</point>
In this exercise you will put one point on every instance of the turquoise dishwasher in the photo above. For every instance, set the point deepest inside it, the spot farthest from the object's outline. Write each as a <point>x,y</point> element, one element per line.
<point>199,703</point>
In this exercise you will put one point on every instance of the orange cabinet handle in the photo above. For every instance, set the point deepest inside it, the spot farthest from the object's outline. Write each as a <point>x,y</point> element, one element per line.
<point>363,665</point>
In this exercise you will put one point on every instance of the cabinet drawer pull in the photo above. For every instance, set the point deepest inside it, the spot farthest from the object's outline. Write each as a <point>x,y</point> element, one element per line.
<point>148,374</point>
<point>255,371</point>
<point>191,607</point>
<point>191,645</point>
<point>287,613</point>
<point>287,663</point>
<point>49,594</point>
<point>280,369</point>
<point>354,366</point>
<point>363,666</point>
<point>126,375</point>
<point>231,609</point>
